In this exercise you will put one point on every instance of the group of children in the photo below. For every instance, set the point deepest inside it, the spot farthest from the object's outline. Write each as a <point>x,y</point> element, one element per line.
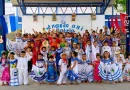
<point>58,57</point>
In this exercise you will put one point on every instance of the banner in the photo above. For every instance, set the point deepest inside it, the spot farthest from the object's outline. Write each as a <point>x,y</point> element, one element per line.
<point>117,24</point>
<point>124,21</point>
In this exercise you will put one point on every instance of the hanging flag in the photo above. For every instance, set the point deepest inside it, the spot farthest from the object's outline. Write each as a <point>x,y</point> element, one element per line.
<point>112,25</point>
<point>123,17</point>
<point>117,24</point>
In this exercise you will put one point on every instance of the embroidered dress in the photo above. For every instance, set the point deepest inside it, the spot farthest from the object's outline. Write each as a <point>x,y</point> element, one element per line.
<point>85,71</point>
<point>5,77</point>
<point>108,70</point>
<point>38,72</point>
<point>51,72</point>
<point>13,73</point>
<point>72,75</point>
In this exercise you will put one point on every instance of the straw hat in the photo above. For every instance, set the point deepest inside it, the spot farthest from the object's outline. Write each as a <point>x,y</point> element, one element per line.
<point>117,52</point>
<point>63,54</point>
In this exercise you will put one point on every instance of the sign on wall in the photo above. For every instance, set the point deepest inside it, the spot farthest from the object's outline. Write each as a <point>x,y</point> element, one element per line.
<point>66,27</point>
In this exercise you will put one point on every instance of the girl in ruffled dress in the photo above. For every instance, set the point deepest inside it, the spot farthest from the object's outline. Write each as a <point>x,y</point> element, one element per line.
<point>126,71</point>
<point>51,71</point>
<point>108,70</point>
<point>5,77</point>
<point>72,73</point>
<point>38,72</point>
<point>85,69</point>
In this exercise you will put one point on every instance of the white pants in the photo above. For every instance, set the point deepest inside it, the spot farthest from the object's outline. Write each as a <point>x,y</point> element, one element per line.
<point>23,76</point>
<point>62,77</point>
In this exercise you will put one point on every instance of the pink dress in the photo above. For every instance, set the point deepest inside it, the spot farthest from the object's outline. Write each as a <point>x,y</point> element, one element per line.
<point>96,71</point>
<point>5,77</point>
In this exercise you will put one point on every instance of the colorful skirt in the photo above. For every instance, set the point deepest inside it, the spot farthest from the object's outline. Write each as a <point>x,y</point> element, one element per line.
<point>85,73</point>
<point>14,77</point>
<point>110,73</point>
<point>51,75</point>
<point>126,71</point>
<point>71,75</point>
<point>5,75</point>
<point>38,74</point>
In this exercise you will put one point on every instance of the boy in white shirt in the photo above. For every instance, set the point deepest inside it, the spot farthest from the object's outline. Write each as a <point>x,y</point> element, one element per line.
<point>22,66</point>
<point>63,69</point>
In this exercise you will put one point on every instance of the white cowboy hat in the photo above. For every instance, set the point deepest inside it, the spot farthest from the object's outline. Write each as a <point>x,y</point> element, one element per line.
<point>63,54</point>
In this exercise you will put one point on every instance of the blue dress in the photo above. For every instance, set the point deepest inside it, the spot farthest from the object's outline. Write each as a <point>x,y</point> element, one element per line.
<point>108,70</point>
<point>71,74</point>
<point>58,53</point>
<point>51,73</point>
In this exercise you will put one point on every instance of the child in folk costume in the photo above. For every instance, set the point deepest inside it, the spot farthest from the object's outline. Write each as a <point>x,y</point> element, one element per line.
<point>72,74</point>
<point>126,71</point>
<point>63,69</point>
<point>79,51</point>
<point>29,54</point>
<point>13,70</point>
<point>39,70</point>
<point>119,61</point>
<point>52,52</point>
<point>68,38</point>
<point>115,49</point>
<point>89,50</point>
<point>85,69</point>
<point>108,70</point>
<point>19,42</point>
<point>44,52</point>
<point>22,66</point>
<point>59,50</point>
<point>51,71</point>
<point>74,47</point>
<point>95,50</point>
<point>5,77</point>
<point>96,63</point>
<point>67,50</point>
<point>106,48</point>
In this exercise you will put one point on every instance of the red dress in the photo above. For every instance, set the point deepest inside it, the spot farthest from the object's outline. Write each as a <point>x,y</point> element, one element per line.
<point>96,71</point>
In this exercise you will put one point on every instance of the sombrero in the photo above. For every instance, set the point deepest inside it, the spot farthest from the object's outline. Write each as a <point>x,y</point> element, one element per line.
<point>63,54</point>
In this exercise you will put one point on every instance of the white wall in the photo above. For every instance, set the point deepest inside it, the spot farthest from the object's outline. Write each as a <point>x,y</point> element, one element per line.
<point>81,20</point>
<point>10,9</point>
